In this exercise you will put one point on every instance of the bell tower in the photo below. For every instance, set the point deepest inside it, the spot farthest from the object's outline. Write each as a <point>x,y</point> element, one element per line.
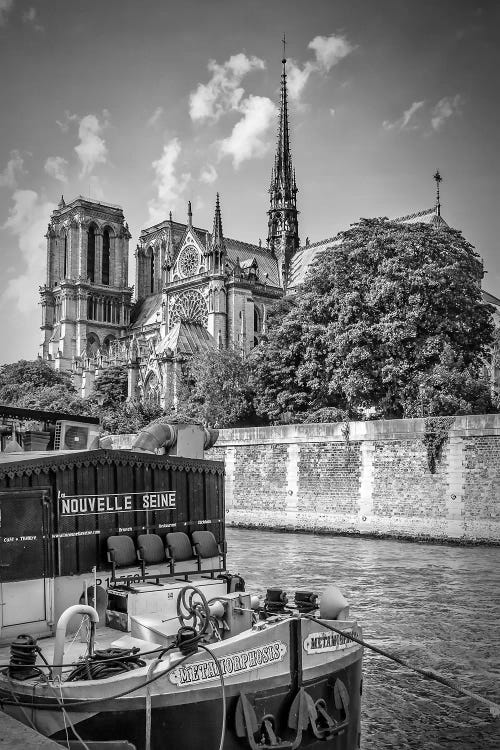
<point>283,224</point>
<point>86,299</point>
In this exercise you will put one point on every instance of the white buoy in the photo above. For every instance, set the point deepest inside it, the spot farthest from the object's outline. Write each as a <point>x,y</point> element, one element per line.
<point>333,605</point>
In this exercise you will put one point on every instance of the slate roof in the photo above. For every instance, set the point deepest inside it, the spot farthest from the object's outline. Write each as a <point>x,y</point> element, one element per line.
<point>146,312</point>
<point>244,251</point>
<point>187,338</point>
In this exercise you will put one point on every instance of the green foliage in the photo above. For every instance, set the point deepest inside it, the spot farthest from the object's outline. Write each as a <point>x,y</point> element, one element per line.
<point>435,436</point>
<point>36,385</point>
<point>215,388</point>
<point>388,320</point>
<point>110,388</point>
<point>128,416</point>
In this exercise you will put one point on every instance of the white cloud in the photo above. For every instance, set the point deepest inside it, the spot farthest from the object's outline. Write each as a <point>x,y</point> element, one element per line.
<point>30,16</point>
<point>168,184</point>
<point>13,169</point>
<point>332,111</point>
<point>223,92</point>
<point>66,121</point>
<point>5,6</point>
<point>330,50</point>
<point>27,221</point>
<point>208,174</point>
<point>155,117</point>
<point>296,78</point>
<point>56,167</point>
<point>248,137</point>
<point>446,108</point>
<point>92,148</point>
<point>405,121</point>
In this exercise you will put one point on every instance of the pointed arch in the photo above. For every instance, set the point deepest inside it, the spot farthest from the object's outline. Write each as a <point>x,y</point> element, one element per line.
<point>106,255</point>
<point>91,246</point>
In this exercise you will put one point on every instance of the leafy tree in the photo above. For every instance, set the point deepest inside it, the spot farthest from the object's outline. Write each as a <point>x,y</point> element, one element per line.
<point>389,317</point>
<point>215,388</point>
<point>36,385</point>
<point>110,388</point>
<point>128,416</point>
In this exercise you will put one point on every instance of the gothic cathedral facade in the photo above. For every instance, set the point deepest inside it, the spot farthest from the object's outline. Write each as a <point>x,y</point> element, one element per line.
<point>194,289</point>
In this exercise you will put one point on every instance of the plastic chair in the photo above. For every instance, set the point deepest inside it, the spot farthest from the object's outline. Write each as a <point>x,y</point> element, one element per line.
<point>209,550</point>
<point>178,549</point>
<point>150,550</point>
<point>121,552</point>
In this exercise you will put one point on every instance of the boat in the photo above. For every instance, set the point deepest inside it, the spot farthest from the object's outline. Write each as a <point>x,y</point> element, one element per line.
<point>121,623</point>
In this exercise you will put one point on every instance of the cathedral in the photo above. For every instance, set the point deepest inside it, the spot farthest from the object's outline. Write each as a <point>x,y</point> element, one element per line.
<point>194,289</point>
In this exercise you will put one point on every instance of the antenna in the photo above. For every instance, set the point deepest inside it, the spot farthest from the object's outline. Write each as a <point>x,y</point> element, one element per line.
<point>438,179</point>
<point>284,49</point>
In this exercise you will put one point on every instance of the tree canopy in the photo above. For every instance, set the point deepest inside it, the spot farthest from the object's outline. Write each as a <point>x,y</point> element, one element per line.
<point>37,385</point>
<point>390,319</point>
<point>215,388</point>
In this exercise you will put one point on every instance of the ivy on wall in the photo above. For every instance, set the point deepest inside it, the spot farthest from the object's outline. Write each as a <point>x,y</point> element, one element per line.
<point>435,436</point>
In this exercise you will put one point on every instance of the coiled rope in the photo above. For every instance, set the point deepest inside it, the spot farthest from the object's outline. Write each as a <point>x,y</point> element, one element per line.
<point>429,674</point>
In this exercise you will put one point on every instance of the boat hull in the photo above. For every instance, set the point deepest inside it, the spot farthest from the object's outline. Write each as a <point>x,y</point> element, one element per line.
<point>292,682</point>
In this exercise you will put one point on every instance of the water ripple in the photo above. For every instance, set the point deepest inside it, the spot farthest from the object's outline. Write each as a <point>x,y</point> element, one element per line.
<point>434,605</point>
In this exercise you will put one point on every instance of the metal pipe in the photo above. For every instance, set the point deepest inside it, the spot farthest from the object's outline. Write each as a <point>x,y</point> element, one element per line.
<point>62,624</point>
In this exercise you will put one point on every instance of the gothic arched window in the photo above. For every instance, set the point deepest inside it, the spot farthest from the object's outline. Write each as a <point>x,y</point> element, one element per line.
<point>105,257</point>
<point>91,253</point>
<point>152,390</point>
<point>65,269</point>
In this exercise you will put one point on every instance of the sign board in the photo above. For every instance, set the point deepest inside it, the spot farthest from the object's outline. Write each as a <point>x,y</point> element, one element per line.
<point>320,643</point>
<point>230,664</point>
<point>88,505</point>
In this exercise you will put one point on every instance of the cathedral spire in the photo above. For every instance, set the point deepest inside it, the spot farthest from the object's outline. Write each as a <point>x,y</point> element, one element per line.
<point>283,229</point>
<point>438,179</point>
<point>217,245</point>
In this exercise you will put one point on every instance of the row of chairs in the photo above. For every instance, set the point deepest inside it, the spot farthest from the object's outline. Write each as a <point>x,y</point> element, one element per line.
<point>183,554</point>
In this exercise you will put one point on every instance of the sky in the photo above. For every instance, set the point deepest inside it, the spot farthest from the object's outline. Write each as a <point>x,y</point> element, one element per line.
<point>151,103</point>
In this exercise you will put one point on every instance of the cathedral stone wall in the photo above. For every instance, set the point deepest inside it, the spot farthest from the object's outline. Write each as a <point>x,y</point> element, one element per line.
<point>372,479</point>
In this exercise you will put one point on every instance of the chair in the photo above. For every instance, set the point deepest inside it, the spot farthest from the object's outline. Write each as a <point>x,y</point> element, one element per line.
<point>180,553</point>
<point>208,551</point>
<point>150,550</point>
<point>121,552</point>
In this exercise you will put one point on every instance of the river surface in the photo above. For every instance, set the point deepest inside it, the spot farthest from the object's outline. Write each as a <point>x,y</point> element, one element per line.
<point>437,606</point>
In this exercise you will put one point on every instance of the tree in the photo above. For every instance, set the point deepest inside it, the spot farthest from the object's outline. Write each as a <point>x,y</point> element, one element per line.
<point>388,320</point>
<point>110,388</point>
<point>37,385</point>
<point>215,388</point>
<point>129,416</point>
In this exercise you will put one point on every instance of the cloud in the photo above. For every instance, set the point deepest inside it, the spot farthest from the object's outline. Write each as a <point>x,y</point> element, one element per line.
<point>248,137</point>
<point>446,107</point>
<point>27,221</point>
<point>223,92</point>
<point>208,174</point>
<point>168,184</point>
<point>296,78</point>
<point>330,50</point>
<point>56,167</point>
<point>92,148</point>
<point>155,117</point>
<point>66,121</point>
<point>29,16</point>
<point>5,6</point>
<point>403,123</point>
<point>13,169</point>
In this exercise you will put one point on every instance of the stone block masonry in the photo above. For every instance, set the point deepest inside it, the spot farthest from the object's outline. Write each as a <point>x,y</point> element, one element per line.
<point>377,483</point>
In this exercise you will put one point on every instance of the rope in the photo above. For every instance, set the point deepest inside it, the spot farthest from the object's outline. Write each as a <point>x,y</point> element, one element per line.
<point>223,693</point>
<point>429,674</point>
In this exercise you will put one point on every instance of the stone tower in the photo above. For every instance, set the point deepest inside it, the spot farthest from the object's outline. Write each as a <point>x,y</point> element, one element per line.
<point>86,299</point>
<point>283,225</point>
<point>215,260</point>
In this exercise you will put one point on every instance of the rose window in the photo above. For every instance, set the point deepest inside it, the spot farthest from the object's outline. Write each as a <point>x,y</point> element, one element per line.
<point>189,307</point>
<point>188,261</point>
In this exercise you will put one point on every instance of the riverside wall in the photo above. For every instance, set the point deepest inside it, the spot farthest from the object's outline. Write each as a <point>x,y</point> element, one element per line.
<point>377,482</point>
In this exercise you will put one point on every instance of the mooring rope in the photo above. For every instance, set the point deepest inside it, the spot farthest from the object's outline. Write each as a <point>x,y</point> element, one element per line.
<point>429,674</point>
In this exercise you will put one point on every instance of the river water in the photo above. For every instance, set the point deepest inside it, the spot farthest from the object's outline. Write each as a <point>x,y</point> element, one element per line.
<point>437,606</point>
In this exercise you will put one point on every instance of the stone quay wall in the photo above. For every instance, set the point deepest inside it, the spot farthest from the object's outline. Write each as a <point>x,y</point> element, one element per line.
<point>371,480</point>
